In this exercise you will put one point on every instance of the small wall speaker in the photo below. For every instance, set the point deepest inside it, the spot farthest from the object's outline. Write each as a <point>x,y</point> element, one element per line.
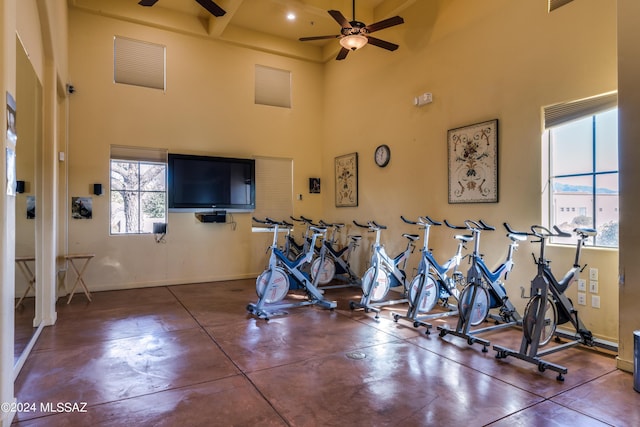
<point>19,186</point>
<point>97,189</point>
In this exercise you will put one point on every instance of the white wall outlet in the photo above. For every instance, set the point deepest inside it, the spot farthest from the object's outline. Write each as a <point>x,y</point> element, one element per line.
<point>593,274</point>
<point>582,285</point>
<point>582,298</point>
<point>595,301</point>
<point>593,286</point>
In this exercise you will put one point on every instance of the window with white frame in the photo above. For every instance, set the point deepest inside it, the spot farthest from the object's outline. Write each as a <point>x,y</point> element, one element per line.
<point>138,189</point>
<point>582,172</point>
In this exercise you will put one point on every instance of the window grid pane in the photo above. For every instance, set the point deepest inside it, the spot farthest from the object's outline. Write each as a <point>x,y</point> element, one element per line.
<point>584,178</point>
<point>138,196</point>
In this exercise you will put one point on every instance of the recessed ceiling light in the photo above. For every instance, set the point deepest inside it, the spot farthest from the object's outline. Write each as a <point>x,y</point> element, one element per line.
<point>291,16</point>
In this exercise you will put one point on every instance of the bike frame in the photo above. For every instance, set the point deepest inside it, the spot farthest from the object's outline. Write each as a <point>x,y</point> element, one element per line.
<point>278,260</point>
<point>341,257</point>
<point>385,271</point>
<point>430,270</point>
<point>481,279</point>
<point>544,284</point>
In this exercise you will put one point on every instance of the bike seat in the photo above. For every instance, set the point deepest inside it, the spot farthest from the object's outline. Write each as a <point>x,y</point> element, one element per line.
<point>517,237</point>
<point>356,238</point>
<point>464,237</point>
<point>412,237</point>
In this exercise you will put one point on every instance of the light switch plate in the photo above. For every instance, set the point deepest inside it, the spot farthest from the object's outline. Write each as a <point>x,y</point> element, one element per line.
<point>582,285</point>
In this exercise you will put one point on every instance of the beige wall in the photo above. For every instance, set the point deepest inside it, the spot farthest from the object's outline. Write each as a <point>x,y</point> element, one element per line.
<point>208,108</point>
<point>485,60</point>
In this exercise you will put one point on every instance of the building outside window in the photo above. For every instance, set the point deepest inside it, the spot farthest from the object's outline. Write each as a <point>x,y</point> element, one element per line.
<point>583,173</point>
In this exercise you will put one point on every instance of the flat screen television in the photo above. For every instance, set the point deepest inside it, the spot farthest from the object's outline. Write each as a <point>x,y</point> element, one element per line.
<point>197,183</point>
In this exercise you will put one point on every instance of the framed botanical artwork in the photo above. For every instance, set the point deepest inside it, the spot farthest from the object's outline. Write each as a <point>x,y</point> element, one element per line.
<point>473,163</point>
<point>347,180</point>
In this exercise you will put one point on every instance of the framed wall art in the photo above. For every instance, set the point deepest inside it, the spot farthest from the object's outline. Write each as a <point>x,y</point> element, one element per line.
<point>347,180</point>
<point>473,163</point>
<point>314,185</point>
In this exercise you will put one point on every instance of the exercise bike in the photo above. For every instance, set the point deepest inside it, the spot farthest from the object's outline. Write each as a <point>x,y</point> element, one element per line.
<point>484,291</point>
<point>431,283</point>
<point>274,283</point>
<point>335,265</point>
<point>384,273</point>
<point>548,305</point>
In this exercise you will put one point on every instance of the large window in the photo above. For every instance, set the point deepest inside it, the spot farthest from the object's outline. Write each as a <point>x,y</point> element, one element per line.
<point>138,196</point>
<point>583,175</point>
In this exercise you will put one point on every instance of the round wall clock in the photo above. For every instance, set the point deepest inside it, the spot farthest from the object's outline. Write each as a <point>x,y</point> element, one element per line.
<point>382,155</point>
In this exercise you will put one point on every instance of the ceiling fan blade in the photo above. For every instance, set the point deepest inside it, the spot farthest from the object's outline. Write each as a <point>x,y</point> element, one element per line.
<point>385,23</point>
<point>213,8</point>
<point>342,54</point>
<point>340,19</point>
<point>147,2</point>
<point>306,39</point>
<point>381,43</point>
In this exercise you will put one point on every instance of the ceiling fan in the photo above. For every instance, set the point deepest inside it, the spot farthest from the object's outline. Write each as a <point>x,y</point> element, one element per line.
<point>211,6</point>
<point>355,34</point>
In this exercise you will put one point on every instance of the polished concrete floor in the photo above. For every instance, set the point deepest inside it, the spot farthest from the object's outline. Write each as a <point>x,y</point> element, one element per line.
<point>189,355</point>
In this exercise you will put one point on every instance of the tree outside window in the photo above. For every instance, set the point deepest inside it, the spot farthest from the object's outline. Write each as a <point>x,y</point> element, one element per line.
<point>138,196</point>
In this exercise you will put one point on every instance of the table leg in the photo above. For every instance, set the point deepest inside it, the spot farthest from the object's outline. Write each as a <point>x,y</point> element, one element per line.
<point>79,279</point>
<point>28,274</point>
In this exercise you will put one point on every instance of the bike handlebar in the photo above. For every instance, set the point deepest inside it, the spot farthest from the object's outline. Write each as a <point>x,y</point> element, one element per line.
<point>487,227</point>
<point>433,222</point>
<point>408,221</point>
<point>422,220</point>
<point>271,221</point>
<point>303,219</point>
<point>371,225</point>
<point>330,224</point>
<point>512,231</point>
<point>543,232</point>
<point>455,227</point>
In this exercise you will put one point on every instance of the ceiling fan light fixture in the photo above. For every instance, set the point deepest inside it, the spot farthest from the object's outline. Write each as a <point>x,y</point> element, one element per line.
<point>353,41</point>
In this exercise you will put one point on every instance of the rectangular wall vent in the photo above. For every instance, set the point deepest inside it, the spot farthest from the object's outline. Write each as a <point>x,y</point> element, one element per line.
<point>273,87</point>
<point>139,63</point>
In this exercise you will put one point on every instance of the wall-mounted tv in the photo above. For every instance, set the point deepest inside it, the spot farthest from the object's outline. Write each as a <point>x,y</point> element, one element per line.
<point>197,183</point>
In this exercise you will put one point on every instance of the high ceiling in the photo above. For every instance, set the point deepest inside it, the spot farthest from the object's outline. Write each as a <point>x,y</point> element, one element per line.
<point>260,24</point>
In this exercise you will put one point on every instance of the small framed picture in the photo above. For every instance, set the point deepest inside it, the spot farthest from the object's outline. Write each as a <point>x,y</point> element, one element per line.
<point>314,185</point>
<point>81,207</point>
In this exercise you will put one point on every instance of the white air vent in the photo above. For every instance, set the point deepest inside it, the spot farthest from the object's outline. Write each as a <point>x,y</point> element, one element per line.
<point>273,87</point>
<point>554,4</point>
<point>139,63</point>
